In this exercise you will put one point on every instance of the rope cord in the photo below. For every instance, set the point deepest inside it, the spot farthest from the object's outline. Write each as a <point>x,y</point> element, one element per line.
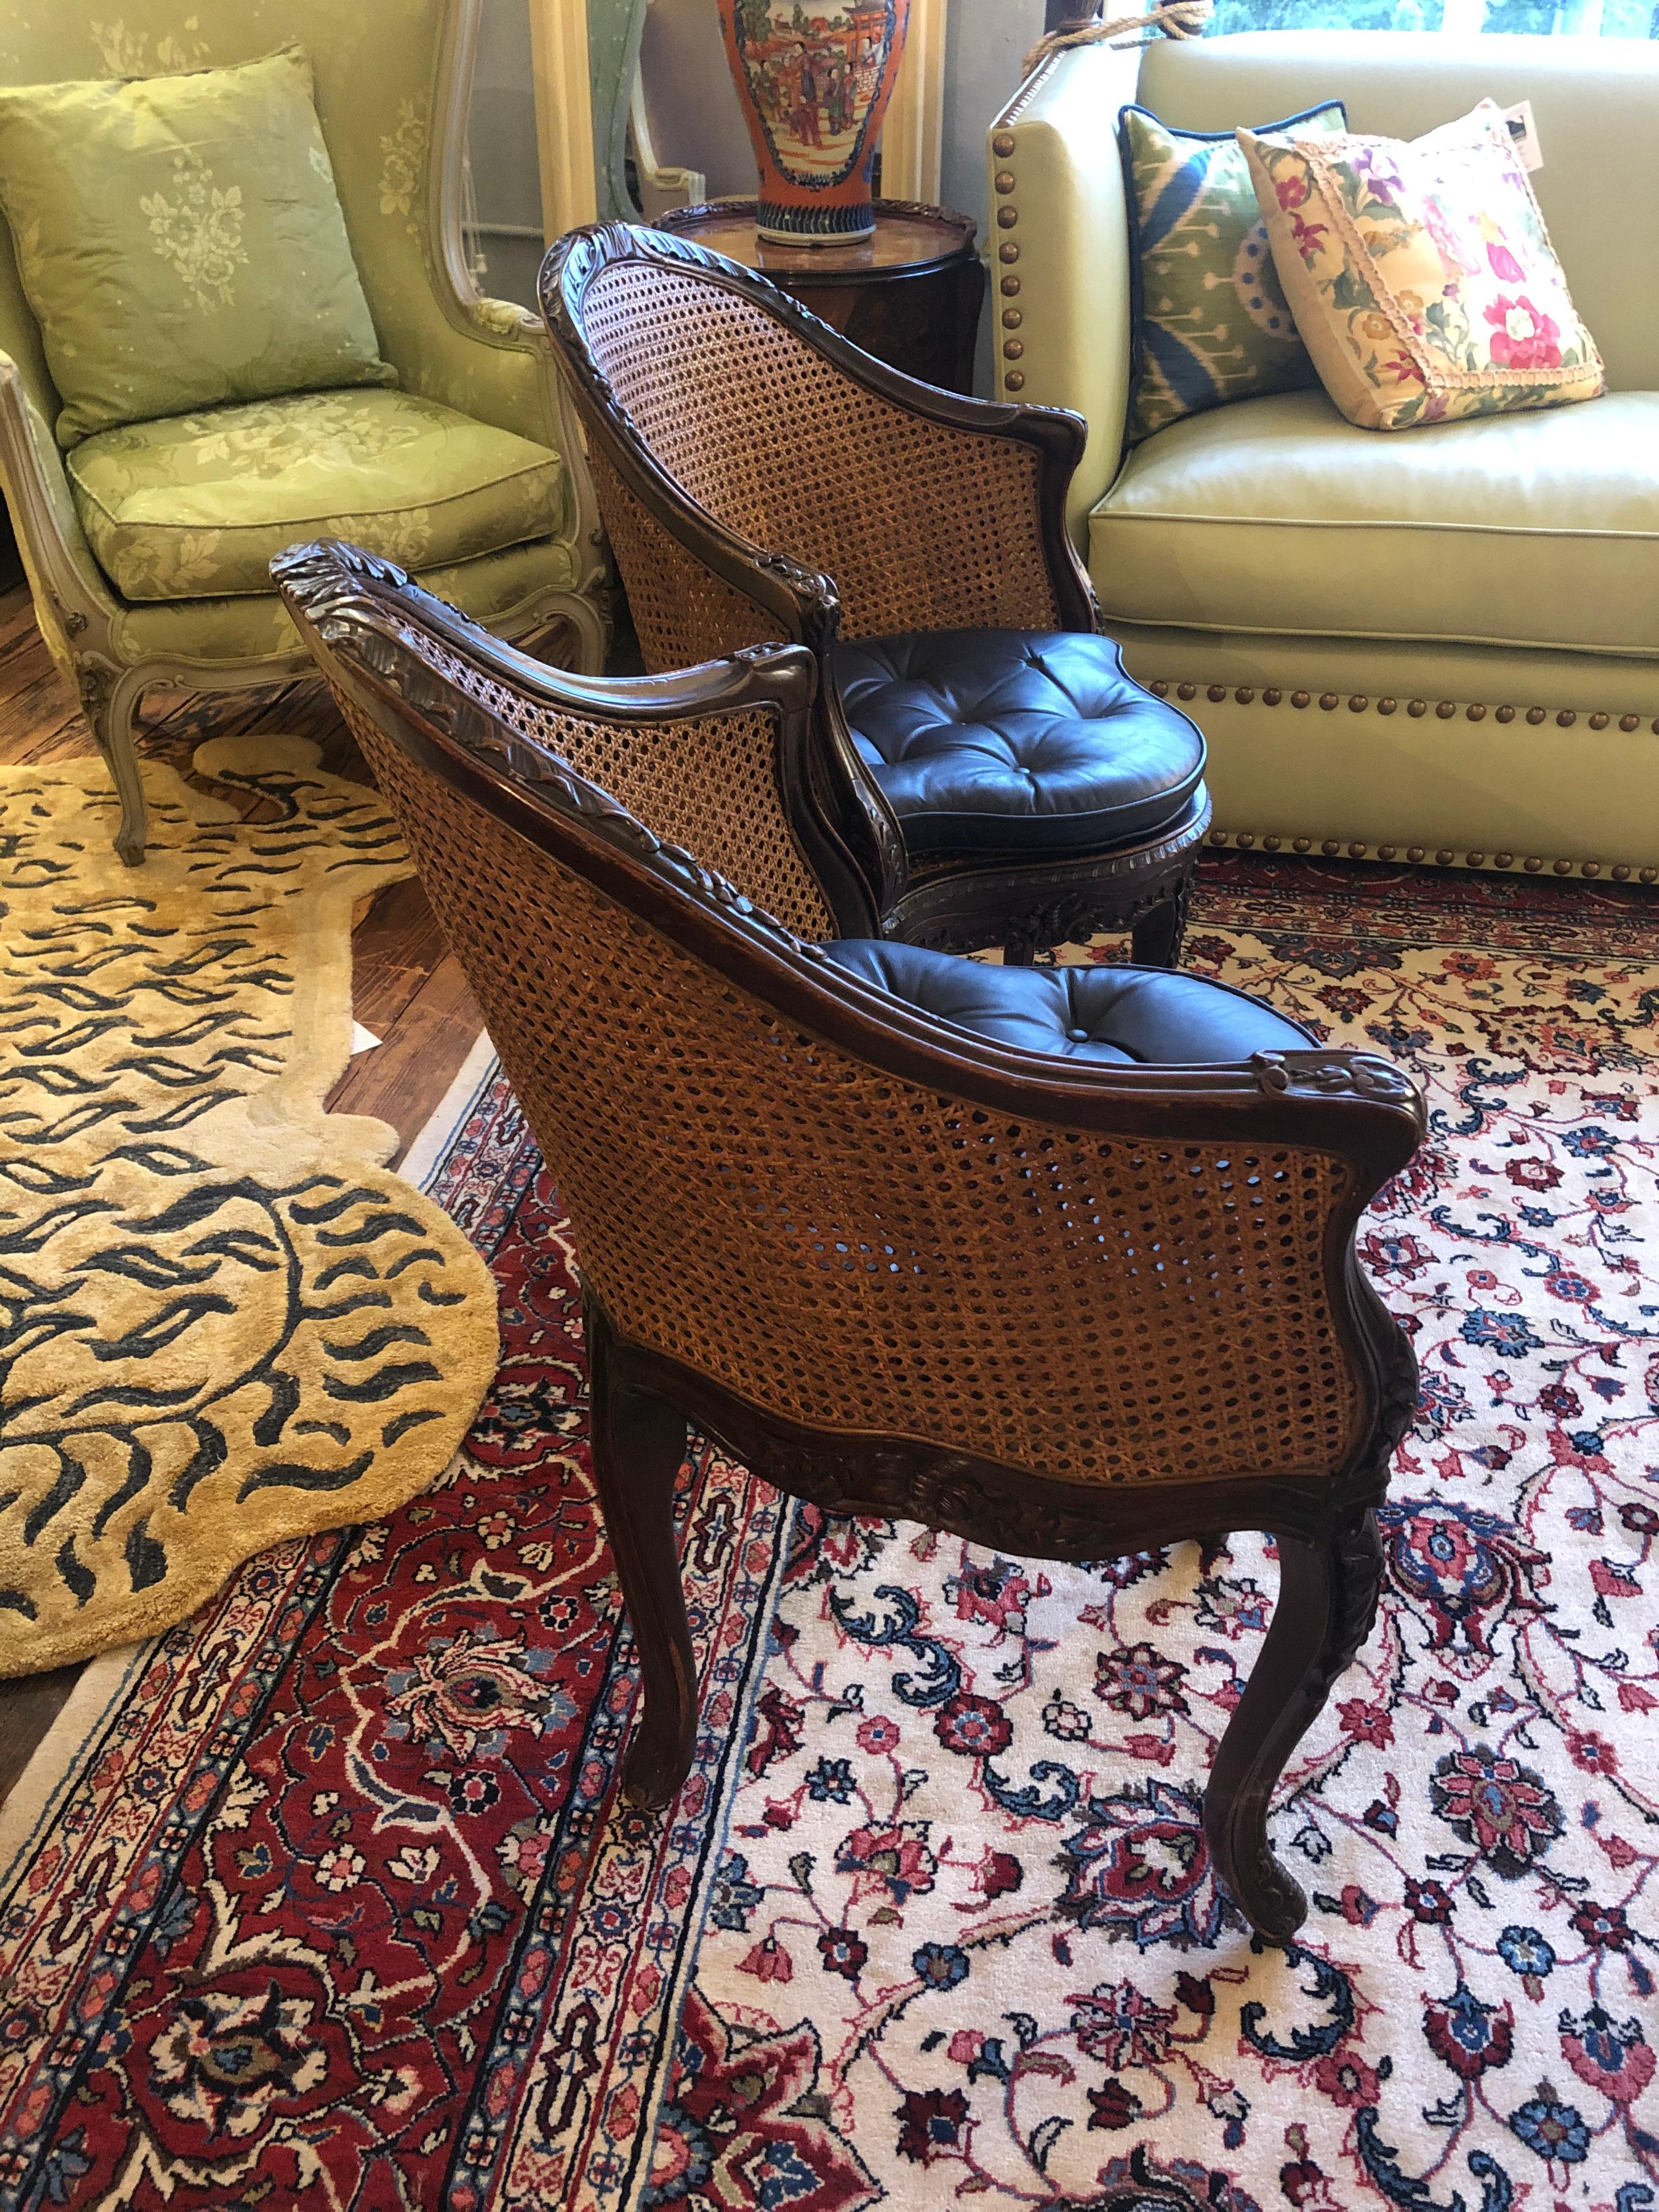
<point>1172,19</point>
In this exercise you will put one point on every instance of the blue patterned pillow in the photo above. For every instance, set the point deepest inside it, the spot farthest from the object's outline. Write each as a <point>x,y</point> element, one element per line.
<point>1210,321</point>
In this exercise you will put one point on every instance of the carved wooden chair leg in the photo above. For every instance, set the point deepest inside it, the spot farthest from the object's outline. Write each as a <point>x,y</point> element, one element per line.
<point>1328,1594</point>
<point>639,1445</point>
<point>1155,940</point>
<point>109,700</point>
<point>1018,950</point>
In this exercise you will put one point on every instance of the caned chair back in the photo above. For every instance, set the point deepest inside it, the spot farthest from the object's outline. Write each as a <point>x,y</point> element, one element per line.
<point>831,1205</point>
<point>709,397</point>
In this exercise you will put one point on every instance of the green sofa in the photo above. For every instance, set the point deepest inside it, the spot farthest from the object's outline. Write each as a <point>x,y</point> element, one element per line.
<point>422,473</point>
<point>1437,645</point>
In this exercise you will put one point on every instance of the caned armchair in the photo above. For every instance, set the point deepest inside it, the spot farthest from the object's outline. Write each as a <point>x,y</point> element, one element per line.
<point>1061,1260</point>
<point>476,394</point>
<point>977,746</point>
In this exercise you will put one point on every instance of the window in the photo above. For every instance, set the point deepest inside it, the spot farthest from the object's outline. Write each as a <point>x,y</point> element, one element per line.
<point>1586,19</point>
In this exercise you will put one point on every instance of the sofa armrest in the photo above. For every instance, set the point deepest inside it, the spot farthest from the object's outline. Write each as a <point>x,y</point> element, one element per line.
<point>1062,242</point>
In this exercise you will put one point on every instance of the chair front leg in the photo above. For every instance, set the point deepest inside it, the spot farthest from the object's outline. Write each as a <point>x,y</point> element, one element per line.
<point>639,1446</point>
<point>109,699</point>
<point>1327,1594</point>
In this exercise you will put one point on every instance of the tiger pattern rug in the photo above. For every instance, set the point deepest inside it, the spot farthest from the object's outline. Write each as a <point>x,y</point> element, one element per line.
<point>222,1320</point>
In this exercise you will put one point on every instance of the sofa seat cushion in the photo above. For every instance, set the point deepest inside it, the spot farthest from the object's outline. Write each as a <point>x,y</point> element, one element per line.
<point>1016,740</point>
<point>1129,1016</point>
<point>1274,514</point>
<point>195,506</point>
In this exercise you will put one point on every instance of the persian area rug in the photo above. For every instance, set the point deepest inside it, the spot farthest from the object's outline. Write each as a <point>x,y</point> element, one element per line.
<point>222,1321</point>
<point>327,1898</point>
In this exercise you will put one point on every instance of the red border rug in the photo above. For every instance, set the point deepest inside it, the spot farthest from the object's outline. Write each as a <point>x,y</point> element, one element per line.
<point>332,1903</point>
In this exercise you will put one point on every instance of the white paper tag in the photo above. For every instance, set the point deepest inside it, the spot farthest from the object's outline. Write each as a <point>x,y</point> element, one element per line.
<point>363,1040</point>
<point>1523,133</point>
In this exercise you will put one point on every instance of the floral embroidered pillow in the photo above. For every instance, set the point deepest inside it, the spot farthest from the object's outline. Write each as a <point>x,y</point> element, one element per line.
<point>1420,274</point>
<point>1210,320</point>
<point>181,242</point>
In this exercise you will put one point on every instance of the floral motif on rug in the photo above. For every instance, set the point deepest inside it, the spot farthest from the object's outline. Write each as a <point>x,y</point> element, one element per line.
<point>222,1321</point>
<point>339,1904</point>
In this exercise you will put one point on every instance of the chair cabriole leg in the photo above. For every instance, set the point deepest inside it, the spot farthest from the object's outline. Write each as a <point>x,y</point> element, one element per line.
<point>1328,1592</point>
<point>109,700</point>
<point>639,1445</point>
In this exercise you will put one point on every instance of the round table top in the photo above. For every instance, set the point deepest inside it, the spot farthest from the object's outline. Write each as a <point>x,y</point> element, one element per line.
<point>907,237</point>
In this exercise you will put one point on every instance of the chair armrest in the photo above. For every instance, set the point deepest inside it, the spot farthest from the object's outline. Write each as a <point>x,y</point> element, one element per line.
<point>73,602</point>
<point>698,589</point>
<point>1022,459</point>
<point>491,359</point>
<point>1057,141</point>
<point>1177,1226</point>
<point>715,757</point>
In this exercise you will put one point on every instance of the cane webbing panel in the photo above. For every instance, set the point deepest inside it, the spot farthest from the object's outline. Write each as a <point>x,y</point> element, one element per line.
<point>920,525</point>
<point>860,1253</point>
<point>683,613</point>
<point>708,785</point>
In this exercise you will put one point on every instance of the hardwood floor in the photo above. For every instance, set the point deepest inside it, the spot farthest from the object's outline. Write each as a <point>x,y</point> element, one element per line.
<point>406,986</point>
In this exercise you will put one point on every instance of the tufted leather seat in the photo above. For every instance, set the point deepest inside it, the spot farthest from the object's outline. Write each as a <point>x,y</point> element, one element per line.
<point>1148,1015</point>
<point>1001,739</point>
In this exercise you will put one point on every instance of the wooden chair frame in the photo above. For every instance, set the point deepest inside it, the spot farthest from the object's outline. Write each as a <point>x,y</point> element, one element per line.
<point>960,902</point>
<point>358,616</point>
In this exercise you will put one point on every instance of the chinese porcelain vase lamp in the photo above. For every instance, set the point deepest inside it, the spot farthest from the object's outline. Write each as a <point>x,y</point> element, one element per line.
<point>813,89</point>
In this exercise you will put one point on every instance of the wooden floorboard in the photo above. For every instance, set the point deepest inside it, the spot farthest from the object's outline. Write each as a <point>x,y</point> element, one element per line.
<point>406,988</point>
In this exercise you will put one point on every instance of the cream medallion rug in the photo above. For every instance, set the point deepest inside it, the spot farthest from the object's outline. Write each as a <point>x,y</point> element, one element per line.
<point>222,1321</point>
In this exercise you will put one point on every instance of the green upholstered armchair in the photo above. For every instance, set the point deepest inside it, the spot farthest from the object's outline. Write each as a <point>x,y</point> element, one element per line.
<point>206,499</point>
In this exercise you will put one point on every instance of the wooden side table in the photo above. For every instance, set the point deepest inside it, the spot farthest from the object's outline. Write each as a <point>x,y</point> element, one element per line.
<point>911,295</point>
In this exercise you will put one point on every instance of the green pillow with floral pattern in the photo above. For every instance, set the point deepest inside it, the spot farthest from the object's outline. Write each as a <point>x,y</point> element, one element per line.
<point>180,241</point>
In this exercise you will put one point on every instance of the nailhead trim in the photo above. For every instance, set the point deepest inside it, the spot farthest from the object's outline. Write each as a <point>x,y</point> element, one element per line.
<point>1359,704</point>
<point>1014,349</point>
<point>1354,849</point>
<point>1533,863</point>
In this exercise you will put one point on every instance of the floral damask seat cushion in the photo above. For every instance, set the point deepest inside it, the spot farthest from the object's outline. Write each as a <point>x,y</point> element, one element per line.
<point>196,506</point>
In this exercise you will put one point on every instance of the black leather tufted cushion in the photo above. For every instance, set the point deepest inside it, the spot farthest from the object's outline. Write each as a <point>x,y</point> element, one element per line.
<point>1016,740</point>
<point>1123,1014</point>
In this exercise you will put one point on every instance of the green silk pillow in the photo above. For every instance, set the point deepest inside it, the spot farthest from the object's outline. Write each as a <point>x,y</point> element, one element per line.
<point>181,243</point>
<point>1210,321</point>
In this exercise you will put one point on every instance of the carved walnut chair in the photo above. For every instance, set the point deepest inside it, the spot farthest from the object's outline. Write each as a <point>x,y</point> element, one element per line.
<point>1059,1259</point>
<point>998,777</point>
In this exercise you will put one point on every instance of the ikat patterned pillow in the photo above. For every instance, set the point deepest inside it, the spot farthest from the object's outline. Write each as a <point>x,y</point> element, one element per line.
<point>1210,319</point>
<point>1420,273</point>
